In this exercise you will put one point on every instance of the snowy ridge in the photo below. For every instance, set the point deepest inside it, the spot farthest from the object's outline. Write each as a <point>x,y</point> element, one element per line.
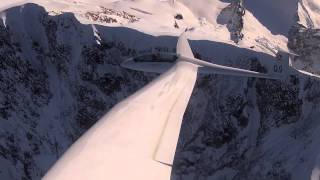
<point>308,13</point>
<point>60,73</point>
<point>201,17</point>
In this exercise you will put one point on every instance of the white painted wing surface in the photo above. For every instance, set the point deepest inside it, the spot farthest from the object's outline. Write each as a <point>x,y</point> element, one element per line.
<point>168,142</point>
<point>122,145</point>
<point>183,46</point>
<point>210,68</point>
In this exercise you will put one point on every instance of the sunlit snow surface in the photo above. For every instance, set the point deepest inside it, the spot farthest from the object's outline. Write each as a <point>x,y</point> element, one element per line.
<point>155,22</point>
<point>268,19</point>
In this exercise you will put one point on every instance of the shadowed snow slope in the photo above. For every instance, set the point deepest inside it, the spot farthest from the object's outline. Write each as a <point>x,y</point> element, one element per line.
<point>277,16</point>
<point>60,73</point>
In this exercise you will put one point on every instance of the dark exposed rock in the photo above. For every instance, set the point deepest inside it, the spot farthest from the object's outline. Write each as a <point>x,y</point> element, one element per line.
<point>103,16</point>
<point>305,42</point>
<point>178,16</point>
<point>176,25</point>
<point>232,17</point>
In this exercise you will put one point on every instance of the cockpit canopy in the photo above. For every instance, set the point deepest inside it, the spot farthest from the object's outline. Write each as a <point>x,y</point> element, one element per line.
<point>158,62</point>
<point>157,57</point>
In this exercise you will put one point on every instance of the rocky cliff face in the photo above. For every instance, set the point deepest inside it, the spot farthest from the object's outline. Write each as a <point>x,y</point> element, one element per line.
<point>305,42</point>
<point>53,87</point>
<point>58,77</point>
<point>232,16</point>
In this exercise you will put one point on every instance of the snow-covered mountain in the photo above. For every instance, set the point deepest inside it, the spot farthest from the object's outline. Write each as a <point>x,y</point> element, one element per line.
<point>59,73</point>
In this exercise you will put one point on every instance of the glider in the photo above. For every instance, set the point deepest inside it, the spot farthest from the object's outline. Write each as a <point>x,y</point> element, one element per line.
<point>137,139</point>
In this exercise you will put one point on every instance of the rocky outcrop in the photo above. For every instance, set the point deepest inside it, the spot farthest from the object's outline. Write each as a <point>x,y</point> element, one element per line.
<point>305,42</point>
<point>107,15</point>
<point>52,88</point>
<point>232,17</point>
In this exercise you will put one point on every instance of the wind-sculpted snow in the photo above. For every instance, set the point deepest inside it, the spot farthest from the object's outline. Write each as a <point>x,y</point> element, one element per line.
<point>59,76</point>
<point>309,13</point>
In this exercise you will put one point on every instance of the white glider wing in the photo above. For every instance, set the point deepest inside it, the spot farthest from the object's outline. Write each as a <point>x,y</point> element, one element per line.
<point>137,139</point>
<point>123,144</point>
